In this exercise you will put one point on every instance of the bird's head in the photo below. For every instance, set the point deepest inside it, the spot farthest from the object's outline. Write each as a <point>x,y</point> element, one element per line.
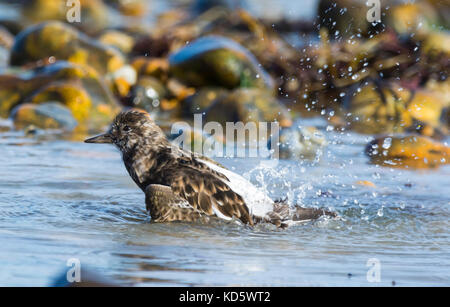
<point>130,129</point>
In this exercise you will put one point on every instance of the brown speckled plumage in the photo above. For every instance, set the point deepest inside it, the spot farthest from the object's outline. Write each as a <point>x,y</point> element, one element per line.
<point>177,185</point>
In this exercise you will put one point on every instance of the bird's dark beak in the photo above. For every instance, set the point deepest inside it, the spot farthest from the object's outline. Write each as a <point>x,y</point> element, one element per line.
<point>102,138</point>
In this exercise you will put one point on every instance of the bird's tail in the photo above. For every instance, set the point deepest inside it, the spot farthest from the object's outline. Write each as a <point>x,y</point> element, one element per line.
<point>283,214</point>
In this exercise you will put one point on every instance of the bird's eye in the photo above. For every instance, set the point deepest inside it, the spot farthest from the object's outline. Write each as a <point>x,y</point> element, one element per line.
<point>126,128</point>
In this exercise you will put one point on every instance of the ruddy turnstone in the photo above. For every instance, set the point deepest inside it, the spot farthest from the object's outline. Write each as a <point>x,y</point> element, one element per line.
<point>184,186</point>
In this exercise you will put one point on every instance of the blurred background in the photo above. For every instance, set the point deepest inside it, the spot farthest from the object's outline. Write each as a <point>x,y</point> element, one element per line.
<point>255,60</point>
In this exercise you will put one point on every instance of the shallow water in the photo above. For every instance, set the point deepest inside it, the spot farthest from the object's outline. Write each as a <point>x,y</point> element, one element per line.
<point>62,199</point>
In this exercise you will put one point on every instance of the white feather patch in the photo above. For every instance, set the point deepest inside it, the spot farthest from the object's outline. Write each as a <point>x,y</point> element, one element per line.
<point>258,203</point>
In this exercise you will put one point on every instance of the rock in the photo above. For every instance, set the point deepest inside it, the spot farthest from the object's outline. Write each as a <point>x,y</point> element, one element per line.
<point>441,89</point>
<point>84,108</point>
<point>426,107</point>
<point>344,18</point>
<point>427,110</point>
<point>446,117</point>
<point>70,94</point>
<point>117,39</point>
<point>122,80</point>
<point>437,44</point>
<point>93,13</point>
<point>153,67</point>
<point>146,94</point>
<point>259,106</point>
<point>76,86</point>
<point>56,40</point>
<point>49,115</point>
<point>153,45</point>
<point>412,17</point>
<point>89,277</point>
<point>217,61</point>
<point>408,151</point>
<point>201,6</point>
<point>392,108</point>
<point>441,8</point>
<point>206,99</point>
<point>241,105</point>
<point>301,143</point>
<point>134,8</point>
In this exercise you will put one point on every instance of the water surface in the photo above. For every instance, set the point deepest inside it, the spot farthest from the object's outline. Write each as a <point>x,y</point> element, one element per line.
<point>62,199</point>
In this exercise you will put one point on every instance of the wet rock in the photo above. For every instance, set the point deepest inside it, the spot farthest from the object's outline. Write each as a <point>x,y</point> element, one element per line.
<point>421,128</point>
<point>11,23</point>
<point>153,45</point>
<point>217,61</point>
<point>337,71</point>
<point>30,131</point>
<point>446,118</point>
<point>427,110</point>
<point>426,107</point>
<point>375,110</point>
<point>89,277</point>
<point>301,143</point>
<point>70,94</point>
<point>408,152</point>
<point>437,44</point>
<point>344,18</point>
<point>122,80</point>
<point>117,39</point>
<point>412,17</point>
<point>78,87</point>
<point>10,94</point>
<point>84,108</point>
<point>391,108</point>
<point>93,13</point>
<point>153,67</point>
<point>130,7</point>
<point>441,8</point>
<point>49,115</point>
<point>270,49</point>
<point>440,89</point>
<point>179,90</point>
<point>201,6</point>
<point>56,40</point>
<point>240,105</point>
<point>146,94</point>
<point>257,105</point>
<point>205,100</point>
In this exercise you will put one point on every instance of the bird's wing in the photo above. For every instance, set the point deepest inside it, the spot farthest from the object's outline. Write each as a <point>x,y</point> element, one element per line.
<point>191,161</point>
<point>207,192</point>
<point>166,206</point>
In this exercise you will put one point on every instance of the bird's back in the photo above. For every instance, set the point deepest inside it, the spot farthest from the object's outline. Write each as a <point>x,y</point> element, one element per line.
<point>204,187</point>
